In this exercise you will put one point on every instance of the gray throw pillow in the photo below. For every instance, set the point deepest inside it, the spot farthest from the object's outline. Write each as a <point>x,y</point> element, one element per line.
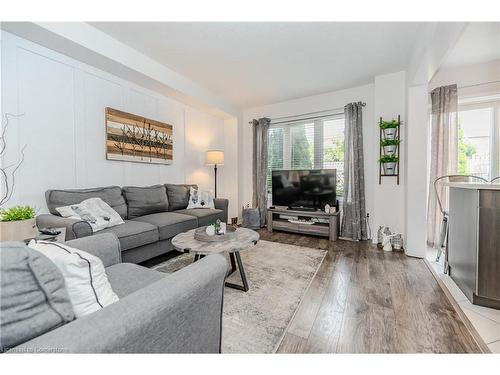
<point>145,200</point>
<point>33,296</point>
<point>178,196</point>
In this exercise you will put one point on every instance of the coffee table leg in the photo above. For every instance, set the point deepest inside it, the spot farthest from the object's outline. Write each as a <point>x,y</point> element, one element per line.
<point>233,264</point>
<point>243,287</point>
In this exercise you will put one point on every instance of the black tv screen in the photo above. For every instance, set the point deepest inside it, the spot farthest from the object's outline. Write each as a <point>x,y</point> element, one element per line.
<point>311,189</point>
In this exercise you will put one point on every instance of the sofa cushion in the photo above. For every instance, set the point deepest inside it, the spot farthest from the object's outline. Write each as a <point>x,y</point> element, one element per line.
<point>205,216</point>
<point>145,200</point>
<point>126,278</point>
<point>178,196</point>
<point>133,234</point>
<point>112,195</point>
<point>169,223</point>
<point>33,297</point>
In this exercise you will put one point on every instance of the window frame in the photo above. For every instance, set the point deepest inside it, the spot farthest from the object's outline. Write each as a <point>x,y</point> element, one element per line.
<point>469,104</point>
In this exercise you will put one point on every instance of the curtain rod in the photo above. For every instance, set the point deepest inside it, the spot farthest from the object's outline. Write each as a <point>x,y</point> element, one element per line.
<point>478,84</point>
<point>311,115</point>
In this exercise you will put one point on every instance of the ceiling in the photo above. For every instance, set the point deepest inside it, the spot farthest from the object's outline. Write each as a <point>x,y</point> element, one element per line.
<point>479,43</point>
<point>256,63</point>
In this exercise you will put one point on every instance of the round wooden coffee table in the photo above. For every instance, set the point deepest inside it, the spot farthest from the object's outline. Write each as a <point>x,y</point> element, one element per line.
<point>241,239</point>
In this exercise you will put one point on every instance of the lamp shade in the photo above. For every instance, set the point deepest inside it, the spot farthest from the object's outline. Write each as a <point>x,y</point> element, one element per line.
<point>214,157</point>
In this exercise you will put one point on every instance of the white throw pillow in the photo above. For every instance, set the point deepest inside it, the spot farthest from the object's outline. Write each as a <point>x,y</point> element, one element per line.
<point>94,211</point>
<point>84,275</point>
<point>200,198</point>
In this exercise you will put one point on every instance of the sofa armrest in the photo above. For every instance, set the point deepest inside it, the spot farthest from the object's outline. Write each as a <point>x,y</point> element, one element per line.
<point>74,228</point>
<point>222,204</point>
<point>181,313</point>
<point>105,246</point>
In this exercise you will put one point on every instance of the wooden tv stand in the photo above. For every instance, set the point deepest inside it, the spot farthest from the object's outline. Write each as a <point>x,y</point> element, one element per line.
<point>330,229</point>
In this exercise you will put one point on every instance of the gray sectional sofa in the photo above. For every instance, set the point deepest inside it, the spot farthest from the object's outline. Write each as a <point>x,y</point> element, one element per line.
<point>156,313</point>
<point>152,215</point>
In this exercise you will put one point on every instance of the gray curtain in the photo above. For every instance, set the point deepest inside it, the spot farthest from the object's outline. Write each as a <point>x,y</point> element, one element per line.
<point>443,160</point>
<point>354,211</point>
<point>259,176</point>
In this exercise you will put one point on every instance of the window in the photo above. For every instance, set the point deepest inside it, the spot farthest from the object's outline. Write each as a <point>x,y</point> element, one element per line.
<point>478,146</point>
<point>311,144</point>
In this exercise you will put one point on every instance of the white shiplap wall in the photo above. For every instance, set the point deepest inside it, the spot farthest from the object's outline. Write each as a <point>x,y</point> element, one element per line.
<point>63,102</point>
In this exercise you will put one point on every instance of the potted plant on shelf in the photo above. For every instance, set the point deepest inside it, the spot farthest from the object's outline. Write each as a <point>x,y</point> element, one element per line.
<point>389,146</point>
<point>17,223</point>
<point>389,129</point>
<point>389,164</point>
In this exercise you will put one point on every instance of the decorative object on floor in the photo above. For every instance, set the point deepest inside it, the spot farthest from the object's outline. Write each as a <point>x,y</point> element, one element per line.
<point>200,198</point>
<point>17,223</point>
<point>241,239</point>
<point>279,275</point>
<point>259,166</point>
<point>386,242</point>
<point>354,212</point>
<point>390,139</point>
<point>215,158</point>
<point>134,138</point>
<point>443,159</point>
<point>251,218</point>
<point>397,241</point>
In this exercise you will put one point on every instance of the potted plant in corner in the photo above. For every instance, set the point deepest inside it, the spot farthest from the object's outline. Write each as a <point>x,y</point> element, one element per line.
<point>389,164</point>
<point>17,223</point>
<point>389,146</point>
<point>389,129</point>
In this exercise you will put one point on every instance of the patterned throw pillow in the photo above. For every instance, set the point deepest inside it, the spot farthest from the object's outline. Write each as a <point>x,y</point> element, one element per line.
<point>200,198</point>
<point>94,211</point>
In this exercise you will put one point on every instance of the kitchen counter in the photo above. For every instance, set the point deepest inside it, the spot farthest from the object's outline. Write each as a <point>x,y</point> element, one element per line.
<point>473,256</point>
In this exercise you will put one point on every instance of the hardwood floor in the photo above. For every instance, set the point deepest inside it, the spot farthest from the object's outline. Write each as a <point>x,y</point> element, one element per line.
<point>364,300</point>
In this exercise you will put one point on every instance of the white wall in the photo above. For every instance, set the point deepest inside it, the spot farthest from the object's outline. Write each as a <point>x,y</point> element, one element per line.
<point>467,75</point>
<point>316,103</point>
<point>63,102</point>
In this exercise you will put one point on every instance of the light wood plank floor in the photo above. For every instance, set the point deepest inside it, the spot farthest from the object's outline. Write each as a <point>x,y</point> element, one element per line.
<point>364,300</point>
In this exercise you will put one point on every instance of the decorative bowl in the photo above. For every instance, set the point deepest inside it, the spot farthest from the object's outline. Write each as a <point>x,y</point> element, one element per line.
<point>200,234</point>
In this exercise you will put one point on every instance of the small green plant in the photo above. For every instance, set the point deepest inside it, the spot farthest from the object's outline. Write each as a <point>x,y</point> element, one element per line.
<point>17,213</point>
<point>389,142</point>
<point>389,159</point>
<point>389,124</point>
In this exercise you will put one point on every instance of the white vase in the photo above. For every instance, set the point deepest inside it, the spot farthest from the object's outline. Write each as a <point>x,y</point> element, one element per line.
<point>17,230</point>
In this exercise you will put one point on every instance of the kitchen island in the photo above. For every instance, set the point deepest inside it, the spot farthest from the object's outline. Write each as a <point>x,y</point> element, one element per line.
<point>473,256</point>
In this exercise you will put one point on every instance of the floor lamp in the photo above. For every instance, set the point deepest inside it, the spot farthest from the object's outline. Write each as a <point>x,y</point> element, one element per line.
<point>215,158</point>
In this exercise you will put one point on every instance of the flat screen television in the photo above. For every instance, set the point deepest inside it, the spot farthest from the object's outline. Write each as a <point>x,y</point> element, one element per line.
<point>304,189</point>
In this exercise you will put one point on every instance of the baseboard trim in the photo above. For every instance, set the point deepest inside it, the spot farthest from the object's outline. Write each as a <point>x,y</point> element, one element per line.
<point>475,335</point>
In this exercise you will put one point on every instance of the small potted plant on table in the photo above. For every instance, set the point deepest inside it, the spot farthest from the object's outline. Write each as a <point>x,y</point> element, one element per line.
<point>17,223</point>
